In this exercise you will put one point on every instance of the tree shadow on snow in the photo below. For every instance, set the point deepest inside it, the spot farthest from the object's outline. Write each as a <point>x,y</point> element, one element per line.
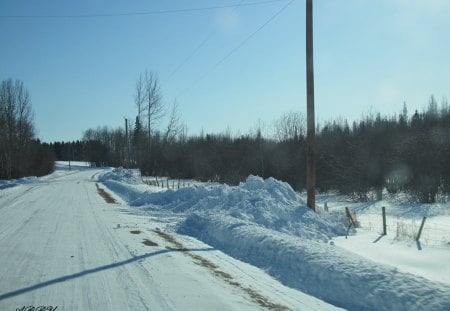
<point>69,277</point>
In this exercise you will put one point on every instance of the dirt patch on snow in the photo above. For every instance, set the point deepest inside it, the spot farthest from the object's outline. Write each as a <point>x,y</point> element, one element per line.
<point>149,242</point>
<point>105,195</point>
<point>169,238</point>
<point>214,269</point>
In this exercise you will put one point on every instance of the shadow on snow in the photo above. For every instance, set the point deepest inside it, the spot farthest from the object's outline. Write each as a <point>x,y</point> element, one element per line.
<point>90,271</point>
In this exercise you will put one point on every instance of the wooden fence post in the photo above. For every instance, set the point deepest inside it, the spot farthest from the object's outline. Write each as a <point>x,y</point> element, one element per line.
<point>350,219</point>
<point>421,227</point>
<point>383,211</point>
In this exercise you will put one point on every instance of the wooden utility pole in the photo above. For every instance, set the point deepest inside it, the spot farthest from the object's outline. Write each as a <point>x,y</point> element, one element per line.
<point>126,160</point>
<point>310,153</point>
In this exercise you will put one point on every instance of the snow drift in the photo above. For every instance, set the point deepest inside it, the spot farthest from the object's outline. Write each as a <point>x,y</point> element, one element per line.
<point>319,269</point>
<point>270,203</point>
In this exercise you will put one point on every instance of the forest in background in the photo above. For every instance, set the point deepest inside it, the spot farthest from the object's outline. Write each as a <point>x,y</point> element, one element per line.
<point>398,154</point>
<point>21,154</point>
<point>409,154</point>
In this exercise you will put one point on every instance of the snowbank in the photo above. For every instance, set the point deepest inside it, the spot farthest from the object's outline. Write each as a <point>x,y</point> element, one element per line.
<point>270,203</point>
<point>16,182</point>
<point>336,276</point>
<point>121,175</point>
<point>125,191</point>
<point>126,183</point>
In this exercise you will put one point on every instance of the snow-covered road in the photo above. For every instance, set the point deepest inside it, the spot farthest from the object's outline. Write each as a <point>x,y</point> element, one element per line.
<point>57,250</point>
<point>62,245</point>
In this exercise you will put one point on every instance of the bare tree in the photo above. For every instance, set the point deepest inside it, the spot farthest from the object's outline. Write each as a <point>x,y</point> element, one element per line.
<point>139,96</point>
<point>148,101</point>
<point>24,114</point>
<point>16,128</point>
<point>153,100</point>
<point>174,127</point>
<point>290,126</point>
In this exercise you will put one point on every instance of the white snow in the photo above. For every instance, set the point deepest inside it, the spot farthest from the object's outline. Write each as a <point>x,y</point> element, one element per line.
<point>265,223</point>
<point>269,202</point>
<point>17,182</point>
<point>429,257</point>
<point>428,262</point>
<point>63,245</point>
<point>242,247</point>
<point>320,269</point>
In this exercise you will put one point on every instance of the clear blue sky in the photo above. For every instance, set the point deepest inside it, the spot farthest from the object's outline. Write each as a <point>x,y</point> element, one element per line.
<point>370,56</point>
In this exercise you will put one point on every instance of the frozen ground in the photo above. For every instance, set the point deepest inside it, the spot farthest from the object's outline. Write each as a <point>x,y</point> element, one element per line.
<point>266,224</point>
<point>63,245</point>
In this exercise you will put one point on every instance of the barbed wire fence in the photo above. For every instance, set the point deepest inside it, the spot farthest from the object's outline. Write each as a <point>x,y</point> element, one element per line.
<point>434,233</point>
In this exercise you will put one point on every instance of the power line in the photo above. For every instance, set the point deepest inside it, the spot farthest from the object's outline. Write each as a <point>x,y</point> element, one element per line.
<point>199,46</point>
<point>234,50</point>
<point>137,13</point>
<point>192,54</point>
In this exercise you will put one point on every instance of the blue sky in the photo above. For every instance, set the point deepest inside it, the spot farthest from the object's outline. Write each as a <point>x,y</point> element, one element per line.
<point>369,56</point>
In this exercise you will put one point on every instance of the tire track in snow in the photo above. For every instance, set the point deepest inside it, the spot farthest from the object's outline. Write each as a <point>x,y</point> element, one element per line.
<point>125,272</point>
<point>10,202</point>
<point>41,233</point>
<point>8,230</point>
<point>224,276</point>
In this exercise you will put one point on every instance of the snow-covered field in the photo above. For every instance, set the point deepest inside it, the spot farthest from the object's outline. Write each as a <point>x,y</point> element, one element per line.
<point>428,257</point>
<point>254,246</point>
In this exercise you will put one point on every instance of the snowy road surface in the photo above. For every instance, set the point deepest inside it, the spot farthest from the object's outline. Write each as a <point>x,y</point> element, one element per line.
<point>62,245</point>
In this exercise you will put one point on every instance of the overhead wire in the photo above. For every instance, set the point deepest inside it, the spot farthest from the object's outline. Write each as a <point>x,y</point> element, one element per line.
<point>137,13</point>
<point>191,55</point>
<point>235,49</point>
<point>198,47</point>
<point>184,10</point>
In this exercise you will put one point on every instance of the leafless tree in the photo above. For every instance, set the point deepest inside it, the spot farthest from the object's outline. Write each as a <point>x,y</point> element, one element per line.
<point>174,127</point>
<point>290,126</point>
<point>153,99</point>
<point>148,101</point>
<point>139,96</point>
<point>16,127</point>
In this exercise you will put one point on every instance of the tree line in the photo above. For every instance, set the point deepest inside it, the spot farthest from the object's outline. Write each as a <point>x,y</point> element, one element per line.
<point>399,154</point>
<point>363,160</point>
<point>21,154</point>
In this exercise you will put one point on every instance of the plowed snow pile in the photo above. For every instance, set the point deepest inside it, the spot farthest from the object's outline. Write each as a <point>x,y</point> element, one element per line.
<point>122,175</point>
<point>269,203</point>
<point>265,223</point>
<point>126,183</point>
